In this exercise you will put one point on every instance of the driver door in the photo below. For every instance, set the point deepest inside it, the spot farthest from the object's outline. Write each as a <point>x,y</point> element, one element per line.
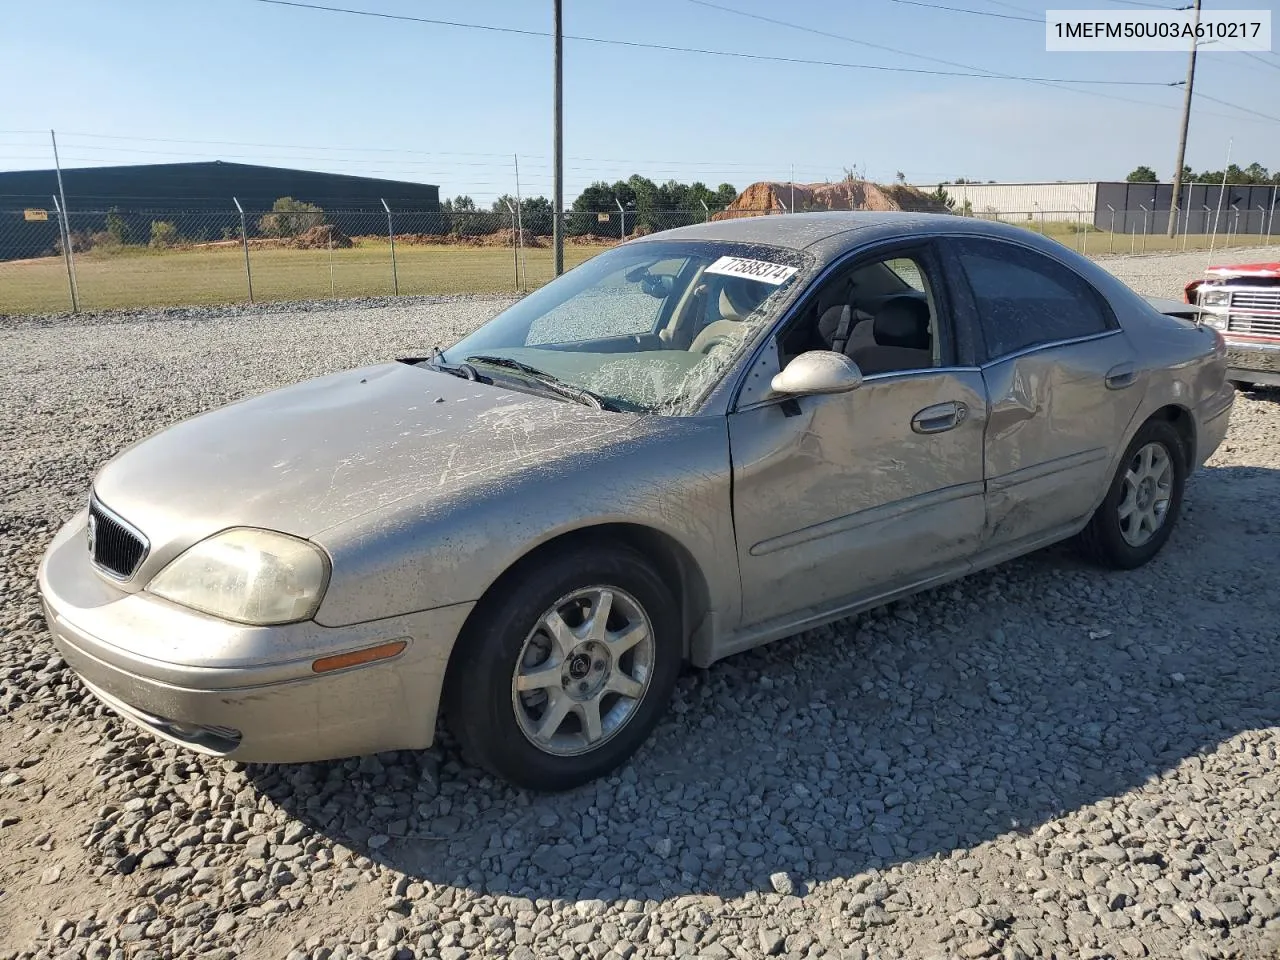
<point>839,499</point>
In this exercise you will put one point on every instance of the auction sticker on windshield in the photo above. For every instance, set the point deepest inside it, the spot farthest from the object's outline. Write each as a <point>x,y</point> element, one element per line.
<point>762,270</point>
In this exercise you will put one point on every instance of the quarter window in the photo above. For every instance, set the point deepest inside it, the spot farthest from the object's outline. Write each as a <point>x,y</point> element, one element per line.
<point>1025,299</point>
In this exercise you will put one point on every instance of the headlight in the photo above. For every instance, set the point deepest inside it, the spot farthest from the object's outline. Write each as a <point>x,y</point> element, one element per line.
<point>1215,320</point>
<point>1215,298</point>
<point>250,576</point>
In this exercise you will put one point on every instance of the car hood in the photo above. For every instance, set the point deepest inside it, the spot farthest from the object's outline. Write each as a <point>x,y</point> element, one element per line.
<point>325,451</point>
<point>1267,270</point>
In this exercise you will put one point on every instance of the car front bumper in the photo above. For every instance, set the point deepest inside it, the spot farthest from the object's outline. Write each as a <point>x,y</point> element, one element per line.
<point>1253,359</point>
<point>241,692</point>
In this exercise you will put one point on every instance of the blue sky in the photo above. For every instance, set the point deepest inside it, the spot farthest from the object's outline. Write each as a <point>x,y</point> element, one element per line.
<point>162,80</point>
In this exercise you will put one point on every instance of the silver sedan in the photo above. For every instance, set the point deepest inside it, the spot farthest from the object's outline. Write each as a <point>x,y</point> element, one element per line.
<point>690,445</point>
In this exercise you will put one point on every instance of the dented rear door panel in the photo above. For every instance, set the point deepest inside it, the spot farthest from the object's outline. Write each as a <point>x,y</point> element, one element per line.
<point>1055,420</point>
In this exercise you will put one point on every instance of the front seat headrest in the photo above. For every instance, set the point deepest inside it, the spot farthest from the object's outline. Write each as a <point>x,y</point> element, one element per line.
<point>738,298</point>
<point>903,322</point>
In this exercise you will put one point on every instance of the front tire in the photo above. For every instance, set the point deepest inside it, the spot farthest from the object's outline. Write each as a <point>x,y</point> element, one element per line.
<point>1137,516</point>
<point>566,668</point>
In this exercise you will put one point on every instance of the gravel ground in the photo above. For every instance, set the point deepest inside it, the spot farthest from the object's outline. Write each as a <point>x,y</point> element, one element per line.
<point>1043,760</point>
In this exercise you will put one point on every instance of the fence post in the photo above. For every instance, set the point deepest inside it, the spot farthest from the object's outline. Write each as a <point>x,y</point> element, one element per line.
<point>1262,219</point>
<point>520,239</point>
<point>244,237</point>
<point>1145,211</point>
<point>706,211</point>
<point>1112,246</point>
<point>622,221</point>
<point>391,235</point>
<point>1271,218</point>
<point>515,251</point>
<point>64,232</point>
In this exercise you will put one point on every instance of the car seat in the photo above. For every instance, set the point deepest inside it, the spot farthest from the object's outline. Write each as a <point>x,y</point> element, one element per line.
<point>738,300</point>
<point>901,338</point>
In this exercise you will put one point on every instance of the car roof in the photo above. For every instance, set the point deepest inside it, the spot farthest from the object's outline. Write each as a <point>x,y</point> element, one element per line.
<point>829,234</point>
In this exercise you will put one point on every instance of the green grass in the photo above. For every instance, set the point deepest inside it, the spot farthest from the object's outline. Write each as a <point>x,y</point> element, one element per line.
<point>147,278</point>
<point>139,277</point>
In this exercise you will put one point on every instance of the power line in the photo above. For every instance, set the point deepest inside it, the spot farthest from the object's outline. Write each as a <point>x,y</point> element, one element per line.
<point>921,56</point>
<point>703,51</point>
<point>1235,106</point>
<point>976,13</point>
<point>1253,56</point>
<point>1011,6</point>
<point>715,164</point>
<point>1154,6</point>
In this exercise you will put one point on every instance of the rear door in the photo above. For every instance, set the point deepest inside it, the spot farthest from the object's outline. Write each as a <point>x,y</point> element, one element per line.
<point>1062,386</point>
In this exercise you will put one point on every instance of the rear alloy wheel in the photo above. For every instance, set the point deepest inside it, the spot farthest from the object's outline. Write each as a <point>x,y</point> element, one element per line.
<point>1148,491</point>
<point>1138,513</point>
<point>566,668</point>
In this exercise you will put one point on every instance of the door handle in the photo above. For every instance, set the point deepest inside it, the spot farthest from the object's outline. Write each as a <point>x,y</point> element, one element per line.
<point>1120,376</point>
<point>940,417</point>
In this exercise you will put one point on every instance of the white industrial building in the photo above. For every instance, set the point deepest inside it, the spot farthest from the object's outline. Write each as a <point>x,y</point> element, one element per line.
<point>1006,200</point>
<point>1120,206</point>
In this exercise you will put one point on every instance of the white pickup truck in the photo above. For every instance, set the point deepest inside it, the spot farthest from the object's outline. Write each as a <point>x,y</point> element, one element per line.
<point>1243,302</point>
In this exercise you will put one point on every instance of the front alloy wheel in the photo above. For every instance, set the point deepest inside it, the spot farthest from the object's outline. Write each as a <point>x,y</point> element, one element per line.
<point>584,671</point>
<point>566,666</point>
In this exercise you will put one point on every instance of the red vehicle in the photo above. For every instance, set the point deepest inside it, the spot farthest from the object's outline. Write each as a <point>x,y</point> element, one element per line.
<point>1243,301</point>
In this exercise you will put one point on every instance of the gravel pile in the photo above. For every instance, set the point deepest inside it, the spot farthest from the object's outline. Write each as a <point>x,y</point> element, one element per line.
<point>1043,760</point>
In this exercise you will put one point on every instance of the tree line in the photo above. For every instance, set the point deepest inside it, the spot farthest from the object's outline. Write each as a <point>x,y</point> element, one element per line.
<point>1254,173</point>
<point>636,194</point>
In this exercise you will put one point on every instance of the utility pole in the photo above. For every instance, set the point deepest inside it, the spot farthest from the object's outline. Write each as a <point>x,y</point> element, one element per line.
<point>1175,201</point>
<point>558,201</point>
<point>66,229</point>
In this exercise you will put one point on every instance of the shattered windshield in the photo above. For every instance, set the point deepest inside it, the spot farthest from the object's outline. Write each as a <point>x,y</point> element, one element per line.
<point>649,326</point>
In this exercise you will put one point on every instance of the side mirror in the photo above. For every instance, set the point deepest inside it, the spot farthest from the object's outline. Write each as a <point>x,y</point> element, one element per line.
<point>817,371</point>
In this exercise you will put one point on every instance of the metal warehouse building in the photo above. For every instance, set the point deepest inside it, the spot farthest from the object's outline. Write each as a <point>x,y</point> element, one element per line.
<point>1121,206</point>
<point>188,193</point>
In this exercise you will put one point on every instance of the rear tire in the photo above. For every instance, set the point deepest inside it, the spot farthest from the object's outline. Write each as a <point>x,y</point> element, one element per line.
<point>566,668</point>
<point>1137,516</point>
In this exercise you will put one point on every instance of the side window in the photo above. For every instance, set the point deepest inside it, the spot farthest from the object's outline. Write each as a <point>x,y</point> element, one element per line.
<point>881,313</point>
<point>1024,298</point>
<point>908,271</point>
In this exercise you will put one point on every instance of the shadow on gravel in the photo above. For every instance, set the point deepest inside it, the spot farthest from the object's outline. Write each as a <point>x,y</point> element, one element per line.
<point>978,710</point>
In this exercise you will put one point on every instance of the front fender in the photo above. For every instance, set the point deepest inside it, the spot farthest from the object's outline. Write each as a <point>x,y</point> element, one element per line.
<point>436,550</point>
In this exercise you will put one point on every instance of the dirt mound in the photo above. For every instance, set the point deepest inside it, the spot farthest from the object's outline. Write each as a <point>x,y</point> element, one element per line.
<point>320,237</point>
<point>499,238</point>
<point>773,197</point>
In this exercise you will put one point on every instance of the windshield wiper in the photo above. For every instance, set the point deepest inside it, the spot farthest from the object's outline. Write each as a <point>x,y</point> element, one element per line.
<point>550,381</point>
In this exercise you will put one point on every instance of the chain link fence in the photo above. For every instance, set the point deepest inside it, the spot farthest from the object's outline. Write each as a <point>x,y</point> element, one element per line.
<point>1110,231</point>
<point>154,256</point>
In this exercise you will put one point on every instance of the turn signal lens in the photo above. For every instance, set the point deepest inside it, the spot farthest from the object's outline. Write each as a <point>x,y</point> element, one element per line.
<point>341,661</point>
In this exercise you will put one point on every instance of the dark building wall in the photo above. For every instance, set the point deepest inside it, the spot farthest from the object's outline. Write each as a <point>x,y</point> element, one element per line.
<point>1252,204</point>
<point>195,196</point>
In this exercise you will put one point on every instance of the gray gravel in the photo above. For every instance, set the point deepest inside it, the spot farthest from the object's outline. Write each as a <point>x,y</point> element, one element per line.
<point>1043,760</point>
